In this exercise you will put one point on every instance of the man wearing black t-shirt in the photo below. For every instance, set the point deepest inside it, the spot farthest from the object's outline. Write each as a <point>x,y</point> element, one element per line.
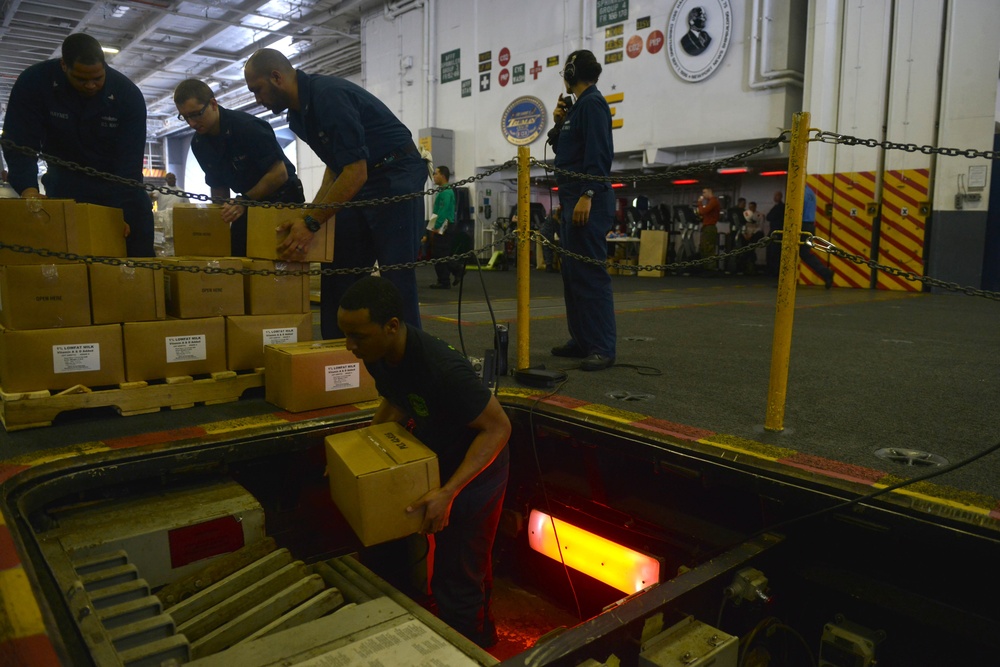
<point>425,382</point>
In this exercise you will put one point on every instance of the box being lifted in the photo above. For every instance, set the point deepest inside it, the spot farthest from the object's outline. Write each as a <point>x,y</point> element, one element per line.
<point>308,376</point>
<point>263,237</point>
<point>375,473</point>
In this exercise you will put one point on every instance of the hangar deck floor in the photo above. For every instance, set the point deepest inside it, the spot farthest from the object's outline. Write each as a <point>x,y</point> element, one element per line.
<point>869,370</point>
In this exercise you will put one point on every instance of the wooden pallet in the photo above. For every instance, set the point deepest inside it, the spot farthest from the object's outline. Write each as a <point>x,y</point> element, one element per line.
<point>32,409</point>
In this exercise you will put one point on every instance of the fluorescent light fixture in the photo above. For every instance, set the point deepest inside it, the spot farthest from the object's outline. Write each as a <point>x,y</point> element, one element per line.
<point>618,566</point>
<point>774,173</point>
<point>110,50</point>
<point>733,170</point>
<point>685,181</point>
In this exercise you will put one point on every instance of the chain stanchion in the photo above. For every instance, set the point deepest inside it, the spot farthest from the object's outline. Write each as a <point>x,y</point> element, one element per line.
<point>523,256</point>
<point>788,274</point>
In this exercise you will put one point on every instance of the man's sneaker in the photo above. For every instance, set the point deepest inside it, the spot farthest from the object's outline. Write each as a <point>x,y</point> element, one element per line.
<point>596,362</point>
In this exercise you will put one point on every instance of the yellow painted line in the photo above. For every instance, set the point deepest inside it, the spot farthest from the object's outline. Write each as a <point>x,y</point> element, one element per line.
<point>19,613</point>
<point>242,423</point>
<point>970,501</point>
<point>48,456</point>
<point>748,447</point>
<point>614,97</point>
<point>608,412</point>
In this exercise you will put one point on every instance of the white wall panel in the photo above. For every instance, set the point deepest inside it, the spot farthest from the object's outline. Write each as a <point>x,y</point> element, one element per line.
<point>863,71</point>
<point>969,95</point>
<point>913,85</point>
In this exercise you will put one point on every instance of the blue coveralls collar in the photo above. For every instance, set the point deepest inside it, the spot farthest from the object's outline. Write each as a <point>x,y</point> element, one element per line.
<point>305,98</point>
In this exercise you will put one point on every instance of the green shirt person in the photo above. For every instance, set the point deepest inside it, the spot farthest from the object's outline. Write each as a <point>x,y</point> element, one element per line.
<point>445,239</point>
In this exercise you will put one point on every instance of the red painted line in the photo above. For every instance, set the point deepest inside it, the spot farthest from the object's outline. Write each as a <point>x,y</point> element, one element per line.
<point>831,468</point>
<point>682,431</point>
<point>156,437</point>
<point>565,402</point>
<point>7,471</point>
<point>995,512</point>
<point>899,230</point>
<point>905,197</point>
<point>33,651</point>
<point>321,412</point>
<point>8,553</point>
<point>861,245</point>
<point>896,250</point>
<point>846,185</point>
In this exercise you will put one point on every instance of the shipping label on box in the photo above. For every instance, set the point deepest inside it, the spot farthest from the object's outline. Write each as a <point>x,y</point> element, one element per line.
<point>44,296</point>
<point>126,293</point>
<point>54,359</point>
<point>200,230</point>
<point>274,294</point>
<point>308,376</point>
<point>171,348</point>
<point>263,237</point>
<point>375,474</point>
<point>248,335</point>
<point>98,230</point>
<point>201,294</point>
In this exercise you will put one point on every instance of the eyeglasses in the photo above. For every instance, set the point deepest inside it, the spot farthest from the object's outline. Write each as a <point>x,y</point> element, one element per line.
<point>194,115</point>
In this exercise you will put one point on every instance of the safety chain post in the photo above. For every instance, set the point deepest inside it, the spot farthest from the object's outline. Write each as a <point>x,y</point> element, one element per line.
<point>523,255</point>
<point>788,274</point>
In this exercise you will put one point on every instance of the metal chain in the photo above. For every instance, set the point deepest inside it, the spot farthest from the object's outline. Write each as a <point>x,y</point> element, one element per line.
<point>215,270</point>
<point>847,140</point>
<point>828,247</point>
<point>669,173</point>
<point>163,189</point>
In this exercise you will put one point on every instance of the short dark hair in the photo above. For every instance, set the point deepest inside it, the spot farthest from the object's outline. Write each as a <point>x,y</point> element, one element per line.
<point>195,89</point>
<point>83,49</point>
<point>378,295</point>
<point>445,171</point>
<point>265,61</point>
<point>587,69</point>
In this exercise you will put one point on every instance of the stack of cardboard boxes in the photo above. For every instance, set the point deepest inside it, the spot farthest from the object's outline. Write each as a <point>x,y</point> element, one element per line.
<point>65,323</point>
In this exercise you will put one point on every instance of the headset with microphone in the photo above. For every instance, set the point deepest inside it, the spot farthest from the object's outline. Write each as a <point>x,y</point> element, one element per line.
<point>569,72</point>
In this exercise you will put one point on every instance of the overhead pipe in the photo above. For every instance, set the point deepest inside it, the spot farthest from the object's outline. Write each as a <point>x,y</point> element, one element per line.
<point>761,76</point>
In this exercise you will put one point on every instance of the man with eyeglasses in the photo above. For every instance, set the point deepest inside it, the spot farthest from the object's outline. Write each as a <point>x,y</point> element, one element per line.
<point>237,152</point>
<point>78,109</point>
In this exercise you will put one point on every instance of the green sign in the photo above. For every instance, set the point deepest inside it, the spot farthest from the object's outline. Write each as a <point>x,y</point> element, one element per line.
<point>611,11</point>
<point>451,65</point>
<point>518,73</point>
<point>467,88</point>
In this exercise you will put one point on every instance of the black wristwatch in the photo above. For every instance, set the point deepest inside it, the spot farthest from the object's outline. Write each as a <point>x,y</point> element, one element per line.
<point>312,224</point>
<point>589,194</point>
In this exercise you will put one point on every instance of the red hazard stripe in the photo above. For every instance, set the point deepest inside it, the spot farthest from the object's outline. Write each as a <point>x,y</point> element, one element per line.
<point>33,651</point>
<point>831,468</point>
<point>155,438</point>
<point>846,185</point>
<point>8,554</point>
<point>7,471</point>
<point>681,431</point>
<point>897,251</point>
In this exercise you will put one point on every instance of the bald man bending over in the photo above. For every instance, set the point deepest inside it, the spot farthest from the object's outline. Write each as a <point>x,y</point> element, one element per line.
<point>369,154</point>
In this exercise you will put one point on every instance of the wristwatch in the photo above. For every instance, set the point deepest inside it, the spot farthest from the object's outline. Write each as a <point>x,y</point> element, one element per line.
<point>589,194</point>
<point>312,224</point>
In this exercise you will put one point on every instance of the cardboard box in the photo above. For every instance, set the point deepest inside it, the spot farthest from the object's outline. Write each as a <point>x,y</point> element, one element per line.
<point>263,238</point>
<point>40,359</point>
<point>44,296</point>
<point>309,376</point>
<point>271,295</point>
<point>375,473</point>
<point>60,225</point>
<point>173,348</point>
<point>248,335</point>
<point>99,231</point>
<point>652,251</point>
<point>126,294</point>
<point>200,230</point>
<point>191,295</point>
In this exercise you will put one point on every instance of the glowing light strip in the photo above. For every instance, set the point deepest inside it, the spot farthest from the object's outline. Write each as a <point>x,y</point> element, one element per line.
<point>618,566</point>
<point>733,170</point>
<point>685,181</point>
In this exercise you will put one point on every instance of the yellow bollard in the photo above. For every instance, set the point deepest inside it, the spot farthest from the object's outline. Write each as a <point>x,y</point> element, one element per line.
<point>523,256</point>
<point>788,274</point>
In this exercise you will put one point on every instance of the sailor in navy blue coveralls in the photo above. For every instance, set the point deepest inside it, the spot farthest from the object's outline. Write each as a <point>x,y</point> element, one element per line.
<point>237,158</point>
<point>369,154</point>
<point>584,145</point>
<point>102,126</point>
